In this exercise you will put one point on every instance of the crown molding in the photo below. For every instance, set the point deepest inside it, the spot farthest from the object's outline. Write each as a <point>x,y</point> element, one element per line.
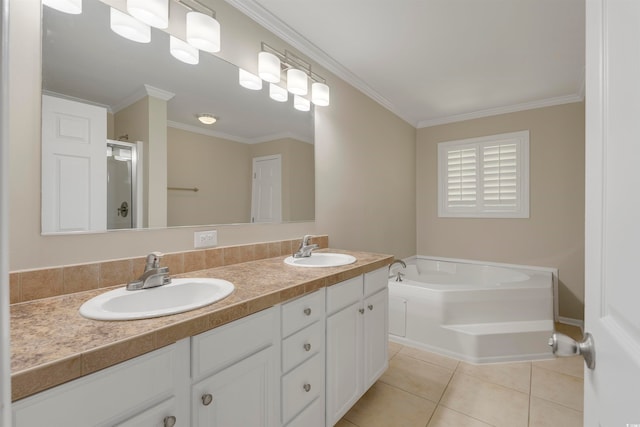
<point>271,22</point>
<point>217,134</point>
<point>549,102</point>
<point>141,92</point>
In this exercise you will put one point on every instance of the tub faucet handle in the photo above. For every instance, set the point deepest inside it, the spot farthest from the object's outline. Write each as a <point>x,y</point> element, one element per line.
<point>399,277</point>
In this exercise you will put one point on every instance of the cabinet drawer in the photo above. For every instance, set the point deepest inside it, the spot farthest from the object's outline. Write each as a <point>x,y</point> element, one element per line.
<point>312,416</point>
<point>301,386</point>
<point>344,294</point>
<point>302,345</point>
<point>222,346</point>
<point>302,312</point>
<point>376,280</point>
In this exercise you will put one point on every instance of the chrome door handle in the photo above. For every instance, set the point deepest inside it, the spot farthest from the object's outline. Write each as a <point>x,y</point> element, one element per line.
<point>169,421</point>
<point>307,347</point>
<point>307,311</point>
<point>207,399</point>
<point>564,346</point>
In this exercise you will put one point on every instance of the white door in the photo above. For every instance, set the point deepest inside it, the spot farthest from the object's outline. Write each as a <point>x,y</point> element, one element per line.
<point>74,166</point>
<point>612,286</point>
<point>266,194</point>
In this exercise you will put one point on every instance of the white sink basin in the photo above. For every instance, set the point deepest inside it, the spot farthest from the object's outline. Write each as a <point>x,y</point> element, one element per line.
<point>321,259</point>
<point>179,296</point>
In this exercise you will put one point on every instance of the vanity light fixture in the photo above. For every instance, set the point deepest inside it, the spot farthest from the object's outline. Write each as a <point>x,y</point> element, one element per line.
<point>278,93</point>
<point>73,7</point>
<point>129,27</point>
<point>183,51</point>
<point>151,12</point>
<point>248,80</point>
<point>269,67</point>
<point>300,103</point>
<point>207,119</point>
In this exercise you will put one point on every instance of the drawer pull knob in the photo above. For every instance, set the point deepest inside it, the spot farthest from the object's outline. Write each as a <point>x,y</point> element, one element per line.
<point>207,399</point>
<point>370,306</point>
<point>169,421</point>
<point>307,347</point>
<point>307,387</point>
<point>361,310</point>
<point>307,311</point>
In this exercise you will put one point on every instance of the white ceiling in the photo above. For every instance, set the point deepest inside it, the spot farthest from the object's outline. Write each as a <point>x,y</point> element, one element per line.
<point>439,61</point>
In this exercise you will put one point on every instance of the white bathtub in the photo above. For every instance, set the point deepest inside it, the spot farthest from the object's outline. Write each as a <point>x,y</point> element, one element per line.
<point>478,313</point>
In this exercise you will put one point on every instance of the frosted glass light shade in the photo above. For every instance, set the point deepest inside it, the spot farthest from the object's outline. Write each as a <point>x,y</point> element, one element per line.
<point>269,67</point>
<point>278,93</point>
<point>248,80</point>
<point>320,94</point>
<point>297,81</point>
<point>300,103</point>
<point>183,51</point>
<point>151,12</point>
<point>73,7</point>
<point>129,27</point>
<point>207,119</point>
<point>203,32</point>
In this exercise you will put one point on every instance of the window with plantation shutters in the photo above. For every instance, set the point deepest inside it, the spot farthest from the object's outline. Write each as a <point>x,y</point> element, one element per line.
<point>485,177</point>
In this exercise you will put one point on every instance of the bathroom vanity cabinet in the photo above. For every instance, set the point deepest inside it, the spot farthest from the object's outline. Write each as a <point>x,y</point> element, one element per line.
<point>357,335</point>
<point>304,362</point>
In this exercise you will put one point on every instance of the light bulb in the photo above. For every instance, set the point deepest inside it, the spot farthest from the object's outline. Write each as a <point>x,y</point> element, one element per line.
<point>269,67</point>
<point>129,27</point>
<point>297,81</point>
<point>203,32</point>
<point>207,119</point>
<point>73,7</point>
<point>320,94</point>
<point>301,104</point>
<point>151,12</point>
<point>183,51</point>
<point>278,93</point>
<point>248,80</point>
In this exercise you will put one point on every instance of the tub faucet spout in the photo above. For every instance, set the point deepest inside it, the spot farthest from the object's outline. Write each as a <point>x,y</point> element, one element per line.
<point>399,275</point>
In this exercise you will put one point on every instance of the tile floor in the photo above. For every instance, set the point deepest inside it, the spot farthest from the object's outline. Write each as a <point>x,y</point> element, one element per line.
<point>428,390</point>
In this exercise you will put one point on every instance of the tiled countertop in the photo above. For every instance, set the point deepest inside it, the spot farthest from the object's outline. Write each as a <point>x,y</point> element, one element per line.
<point>52,344</point>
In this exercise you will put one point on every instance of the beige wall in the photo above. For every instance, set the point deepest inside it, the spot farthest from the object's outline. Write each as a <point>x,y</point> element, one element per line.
<point>221,169</point>
<point>298,176</point>
<point>553,236</point>
<point>365,176</point>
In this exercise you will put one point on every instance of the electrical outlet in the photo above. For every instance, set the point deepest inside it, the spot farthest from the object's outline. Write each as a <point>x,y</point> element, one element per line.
<point>205,239</point>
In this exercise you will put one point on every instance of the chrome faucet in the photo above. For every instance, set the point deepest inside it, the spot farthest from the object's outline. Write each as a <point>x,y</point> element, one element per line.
<point>153,275</point>
<point>398,275</point>
<point>305,248</point>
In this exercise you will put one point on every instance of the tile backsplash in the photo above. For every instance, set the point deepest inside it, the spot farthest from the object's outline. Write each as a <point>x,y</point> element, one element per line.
<point>29,285</point>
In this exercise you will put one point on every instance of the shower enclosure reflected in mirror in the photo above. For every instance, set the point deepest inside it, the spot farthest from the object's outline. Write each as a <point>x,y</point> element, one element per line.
<point>151,100</point>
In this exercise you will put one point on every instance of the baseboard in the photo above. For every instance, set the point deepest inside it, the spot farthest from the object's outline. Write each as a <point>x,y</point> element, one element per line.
<point>572,322</point>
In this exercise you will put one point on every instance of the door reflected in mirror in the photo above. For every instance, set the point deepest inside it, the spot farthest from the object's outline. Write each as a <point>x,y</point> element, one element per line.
<point>151,101</point>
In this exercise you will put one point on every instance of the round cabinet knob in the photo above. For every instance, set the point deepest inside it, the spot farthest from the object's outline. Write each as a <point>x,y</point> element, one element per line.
<point>207,399</point>
<point>169,421</point>
<point>307,347</point>
<point>361,310</point>
<point>307,387</point>
<point>307,311</point>
<point>370,306</point>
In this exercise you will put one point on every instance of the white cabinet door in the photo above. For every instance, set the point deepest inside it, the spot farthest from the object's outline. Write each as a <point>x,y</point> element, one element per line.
<point>376,338</point>
<point>344,360</point>
<point>241,395</point>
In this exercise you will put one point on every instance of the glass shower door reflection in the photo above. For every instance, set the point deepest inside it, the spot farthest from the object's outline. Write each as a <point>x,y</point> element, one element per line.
<point>121,159</point>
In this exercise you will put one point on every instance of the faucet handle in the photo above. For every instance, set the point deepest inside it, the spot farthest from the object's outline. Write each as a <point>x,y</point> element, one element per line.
<point>153,260</point>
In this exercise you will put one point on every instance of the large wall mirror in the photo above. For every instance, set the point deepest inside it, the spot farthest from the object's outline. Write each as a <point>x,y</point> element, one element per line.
<point>161,165</point>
